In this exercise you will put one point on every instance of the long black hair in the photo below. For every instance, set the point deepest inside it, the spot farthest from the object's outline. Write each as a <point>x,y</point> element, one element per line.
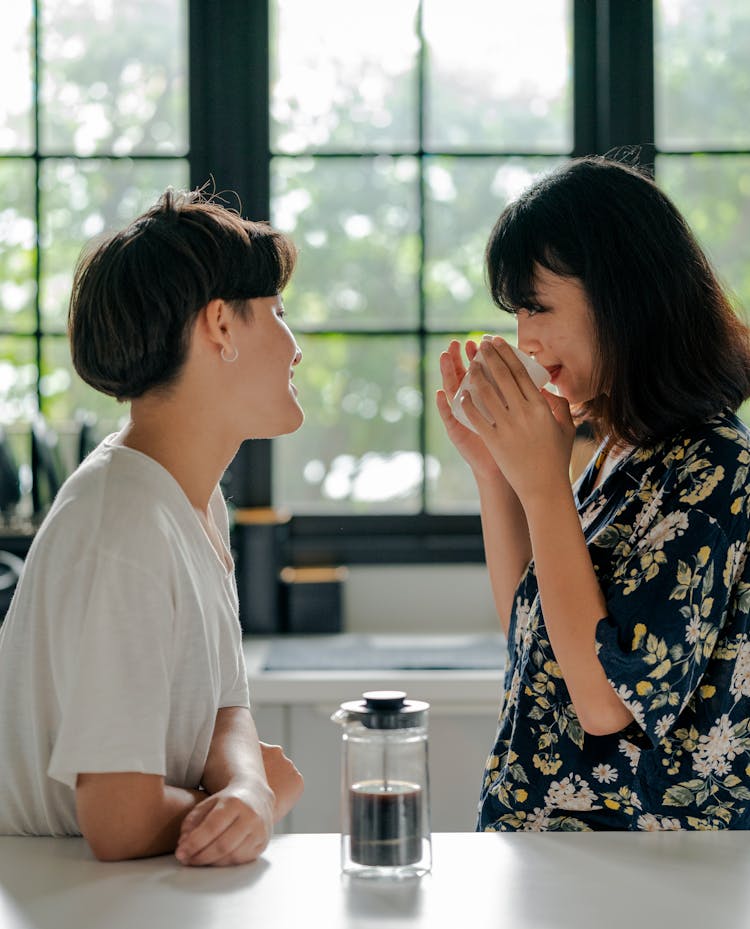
<point>671,350</point>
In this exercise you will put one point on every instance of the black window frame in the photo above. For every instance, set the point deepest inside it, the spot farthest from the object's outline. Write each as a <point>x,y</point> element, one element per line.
<point>229,142</point>
<point>41,332</point>
<point>613,91</point>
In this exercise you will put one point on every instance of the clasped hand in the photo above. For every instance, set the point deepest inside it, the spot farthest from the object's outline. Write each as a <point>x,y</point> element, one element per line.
<point>531,436</point>
<point>230,827</point>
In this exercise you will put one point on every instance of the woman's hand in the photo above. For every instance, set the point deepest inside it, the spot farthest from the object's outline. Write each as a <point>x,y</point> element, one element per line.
<point>470,446</point>
<point>532,435</point>
<point>231,827</point>
<point>283,778</point>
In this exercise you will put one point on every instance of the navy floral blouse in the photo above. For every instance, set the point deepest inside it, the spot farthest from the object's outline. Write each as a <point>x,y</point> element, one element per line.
<point>667,531</point>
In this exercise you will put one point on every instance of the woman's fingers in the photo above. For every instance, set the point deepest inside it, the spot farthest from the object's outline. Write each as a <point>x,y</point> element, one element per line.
<point>452,367</point>
<point>246,851</point>
<point>471,349</point>
<point>195,817</point>
<point>444,407</point>
<point>231,831</point>
<point>475,417</point>
<point>506,368</point>
<point>560,410</point>
<point>224,846</point>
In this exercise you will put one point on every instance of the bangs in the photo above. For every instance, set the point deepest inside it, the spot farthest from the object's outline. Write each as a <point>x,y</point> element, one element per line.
<point>270,261</point>
<point>520,242</point>
<point>256,261</point>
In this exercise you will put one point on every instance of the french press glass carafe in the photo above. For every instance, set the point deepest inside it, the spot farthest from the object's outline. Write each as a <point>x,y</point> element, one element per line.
<point>385,809</point>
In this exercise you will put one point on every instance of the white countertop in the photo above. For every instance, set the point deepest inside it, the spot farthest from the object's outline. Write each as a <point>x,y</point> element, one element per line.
<point>513,881</point>
<point>285,687</point>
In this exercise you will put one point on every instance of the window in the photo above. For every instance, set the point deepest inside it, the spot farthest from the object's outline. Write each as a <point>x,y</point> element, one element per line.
<point>386,138</point>
<point>93,126</point>
<point>397,136</point>
<point>702,75</point>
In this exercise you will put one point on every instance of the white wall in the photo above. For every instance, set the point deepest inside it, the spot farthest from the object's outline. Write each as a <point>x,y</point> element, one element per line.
<point>419,598</point>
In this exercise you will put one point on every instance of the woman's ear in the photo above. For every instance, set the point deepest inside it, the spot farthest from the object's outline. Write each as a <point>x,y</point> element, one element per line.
<point>214,320</point>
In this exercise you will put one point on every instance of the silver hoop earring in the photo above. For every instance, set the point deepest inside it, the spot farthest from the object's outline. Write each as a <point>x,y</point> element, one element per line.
<point>233,358</point>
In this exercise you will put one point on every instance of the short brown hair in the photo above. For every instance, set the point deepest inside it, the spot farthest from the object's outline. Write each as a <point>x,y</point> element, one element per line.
<point>136,293</point>
<point>671,350</point>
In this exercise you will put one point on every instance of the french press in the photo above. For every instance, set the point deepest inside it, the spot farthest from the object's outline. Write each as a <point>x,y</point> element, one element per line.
<point>385,808</point>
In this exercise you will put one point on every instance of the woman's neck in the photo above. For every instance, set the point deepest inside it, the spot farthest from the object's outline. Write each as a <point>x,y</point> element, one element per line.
<point>176,438</point>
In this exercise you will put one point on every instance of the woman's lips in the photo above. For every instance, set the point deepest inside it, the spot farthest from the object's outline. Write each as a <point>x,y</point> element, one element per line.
<point>554,372</point>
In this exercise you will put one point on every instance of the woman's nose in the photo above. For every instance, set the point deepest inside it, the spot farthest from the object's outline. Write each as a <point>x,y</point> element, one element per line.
<point>297,357</point>
<point>527,341</point>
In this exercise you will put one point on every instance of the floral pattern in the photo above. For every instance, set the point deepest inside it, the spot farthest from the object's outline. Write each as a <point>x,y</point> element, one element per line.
<point>668,536</point>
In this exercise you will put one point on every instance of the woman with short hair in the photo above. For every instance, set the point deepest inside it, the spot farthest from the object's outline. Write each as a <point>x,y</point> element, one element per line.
<point>124,711</point>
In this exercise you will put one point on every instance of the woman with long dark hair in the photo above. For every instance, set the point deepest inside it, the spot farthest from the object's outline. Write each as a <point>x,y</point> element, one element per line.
<point>625,598</point>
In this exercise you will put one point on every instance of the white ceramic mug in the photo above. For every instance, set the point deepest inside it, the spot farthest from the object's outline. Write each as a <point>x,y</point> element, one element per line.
<point>537,373</point>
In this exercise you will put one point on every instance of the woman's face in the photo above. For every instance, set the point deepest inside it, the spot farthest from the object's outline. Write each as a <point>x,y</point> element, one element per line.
<point>267,356</point>
<point>558,330</point>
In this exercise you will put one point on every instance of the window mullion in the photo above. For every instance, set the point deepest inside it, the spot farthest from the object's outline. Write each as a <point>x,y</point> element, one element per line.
<point>229,143</point>
<point>625,77</point>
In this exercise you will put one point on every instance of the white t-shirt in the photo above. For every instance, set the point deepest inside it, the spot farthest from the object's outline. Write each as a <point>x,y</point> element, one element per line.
<point>120,645</point>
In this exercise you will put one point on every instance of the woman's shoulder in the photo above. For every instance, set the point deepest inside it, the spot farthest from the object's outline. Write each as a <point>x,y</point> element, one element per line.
<point>705,467</point>
<point>118,500</point>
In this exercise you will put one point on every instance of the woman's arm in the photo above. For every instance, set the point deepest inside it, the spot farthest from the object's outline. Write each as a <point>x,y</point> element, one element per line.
<point>506,535</point>
<point>234,824</point>
<point>131,815</point>
<point>283,778</point>
<point>531,440</point>
<point>507,546</point>
<point>573,604</point>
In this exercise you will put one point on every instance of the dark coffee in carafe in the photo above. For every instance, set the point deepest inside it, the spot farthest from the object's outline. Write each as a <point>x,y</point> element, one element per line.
<point>386,823</point>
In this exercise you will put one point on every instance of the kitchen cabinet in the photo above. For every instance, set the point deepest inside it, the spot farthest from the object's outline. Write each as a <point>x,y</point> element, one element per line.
<point>294,710</point>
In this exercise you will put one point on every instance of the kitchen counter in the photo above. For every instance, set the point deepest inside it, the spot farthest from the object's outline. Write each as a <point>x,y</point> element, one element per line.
<point>518,881</point>
<point>289,686</point>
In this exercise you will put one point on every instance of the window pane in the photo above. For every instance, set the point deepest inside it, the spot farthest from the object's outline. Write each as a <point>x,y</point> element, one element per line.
<point>16,78</point>
<point>464,197</point>
<point>355,221</point>
<point>17,245</point>
<point>81,199</point>
<point>499,75</point>
<point>17,379</point>
<point>713,192</point>
<point>115,77</point>
<point>702,82</point>
<point>358,452</point>
<point>343,75</point>
<point>65,396</point>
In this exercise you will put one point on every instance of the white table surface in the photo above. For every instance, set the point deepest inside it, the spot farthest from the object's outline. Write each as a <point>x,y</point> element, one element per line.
<point>519,881</point>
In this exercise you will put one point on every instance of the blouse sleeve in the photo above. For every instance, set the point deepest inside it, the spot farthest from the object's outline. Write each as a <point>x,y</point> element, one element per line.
<point>666,605</point>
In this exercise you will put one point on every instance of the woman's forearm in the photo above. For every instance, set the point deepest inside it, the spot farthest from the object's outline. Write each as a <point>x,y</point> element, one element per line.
<point>573,603</point>
<point>131,815</point>
<point>507,545</point>
<point>236,757</point>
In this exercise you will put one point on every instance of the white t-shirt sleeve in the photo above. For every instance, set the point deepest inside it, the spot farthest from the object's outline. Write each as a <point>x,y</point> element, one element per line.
<point>234,686</point>
<point>235,690</point>
<point>115,673</point>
